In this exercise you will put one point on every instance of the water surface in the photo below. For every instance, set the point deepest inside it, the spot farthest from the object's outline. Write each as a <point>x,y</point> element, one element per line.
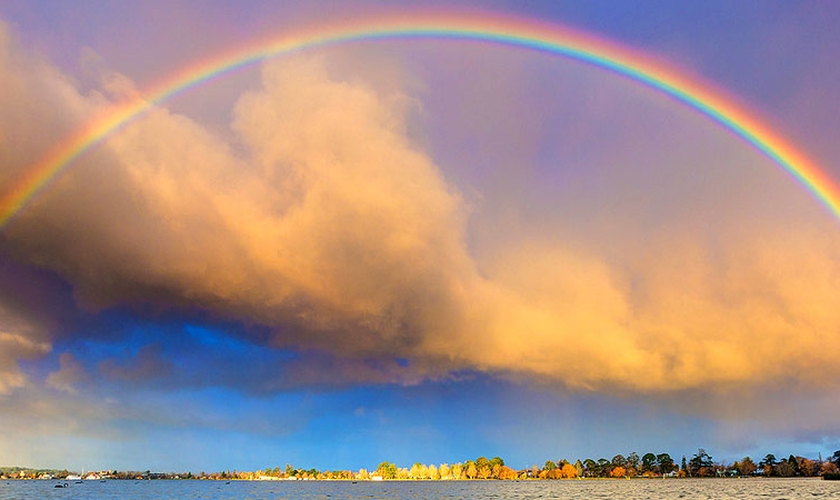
<point>638,489</point>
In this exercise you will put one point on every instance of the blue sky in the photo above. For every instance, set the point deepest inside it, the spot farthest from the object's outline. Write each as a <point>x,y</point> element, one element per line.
<point>415,250</point>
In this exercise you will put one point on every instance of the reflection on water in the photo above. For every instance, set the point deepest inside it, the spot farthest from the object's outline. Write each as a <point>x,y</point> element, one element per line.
<point>647,489</point>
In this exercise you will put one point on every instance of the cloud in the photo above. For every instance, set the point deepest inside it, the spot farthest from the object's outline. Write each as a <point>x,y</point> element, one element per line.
<point>24,331</point>
<point>323,228</point>
<point>38,107</point>
<point>14,347</point>
<point>146,365</point>
<point>69,373</point>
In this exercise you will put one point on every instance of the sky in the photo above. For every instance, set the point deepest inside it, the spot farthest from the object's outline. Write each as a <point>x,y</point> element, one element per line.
<point>415,250</point>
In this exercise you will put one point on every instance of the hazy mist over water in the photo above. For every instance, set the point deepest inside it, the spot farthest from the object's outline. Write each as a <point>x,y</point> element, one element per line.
<point>652,489</point>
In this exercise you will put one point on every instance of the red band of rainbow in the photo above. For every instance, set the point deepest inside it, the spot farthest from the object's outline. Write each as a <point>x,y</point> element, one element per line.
<point>486,28</point>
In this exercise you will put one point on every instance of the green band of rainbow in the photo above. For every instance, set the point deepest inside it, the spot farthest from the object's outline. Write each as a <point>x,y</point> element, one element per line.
<point>485,28</point>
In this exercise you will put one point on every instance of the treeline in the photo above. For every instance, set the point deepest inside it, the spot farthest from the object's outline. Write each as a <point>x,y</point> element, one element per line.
<point>701,464</point>
<point>28,473</point>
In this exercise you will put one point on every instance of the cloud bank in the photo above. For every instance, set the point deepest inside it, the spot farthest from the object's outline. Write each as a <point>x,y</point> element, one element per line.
<point>322,227</point>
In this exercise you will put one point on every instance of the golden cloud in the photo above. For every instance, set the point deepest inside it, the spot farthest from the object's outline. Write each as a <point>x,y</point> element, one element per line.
<point>330,227</point>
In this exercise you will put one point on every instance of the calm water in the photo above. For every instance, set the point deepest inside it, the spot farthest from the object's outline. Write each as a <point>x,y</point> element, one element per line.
<point>651,489</point>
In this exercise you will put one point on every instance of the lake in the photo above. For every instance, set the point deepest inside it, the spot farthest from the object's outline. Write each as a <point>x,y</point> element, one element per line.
<point>647,489</point>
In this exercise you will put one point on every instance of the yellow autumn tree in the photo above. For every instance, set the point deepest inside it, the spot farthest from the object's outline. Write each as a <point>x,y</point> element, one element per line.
<point>471,471</point>
<point>418,471</point>
<point>507,473</point>
<point>444,471</point>
<point>433,472</point>
<point>568,471</point>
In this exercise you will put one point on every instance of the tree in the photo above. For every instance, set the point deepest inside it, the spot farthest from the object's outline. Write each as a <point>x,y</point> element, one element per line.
<point>633,462</point>
<point>618,472</point>
<point>648,462</point>
<point>795,464</point>
<point>578,468</point>
<point>444,471</point>
<point>747,467</point>
<point>603,467</point>
<point>471,470</point>
<point>507,473</point>
<point>665,463</point>
<point>701,464</point>
<point>417,471</point>
<point>785,469</point>
<point>807,466</point>
<point>768,464</point>
<point>769,459</point>
<point>828,467</point>
<point>590,467</point>
<point>549,465</point>
<point>433,472</point>
<point>387,470</point>
<point>496,470</point>
<point>483,469</point>
<point>568,471</point>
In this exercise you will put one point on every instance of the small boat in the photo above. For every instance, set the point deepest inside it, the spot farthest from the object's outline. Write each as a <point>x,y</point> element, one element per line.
<point>61,485</point>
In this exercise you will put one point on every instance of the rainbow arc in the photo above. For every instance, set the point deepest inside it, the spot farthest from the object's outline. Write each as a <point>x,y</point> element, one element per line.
<point>502,30</point>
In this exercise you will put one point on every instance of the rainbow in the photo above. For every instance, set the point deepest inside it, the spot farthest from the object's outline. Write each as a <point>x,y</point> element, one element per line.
<point>502,30</point>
